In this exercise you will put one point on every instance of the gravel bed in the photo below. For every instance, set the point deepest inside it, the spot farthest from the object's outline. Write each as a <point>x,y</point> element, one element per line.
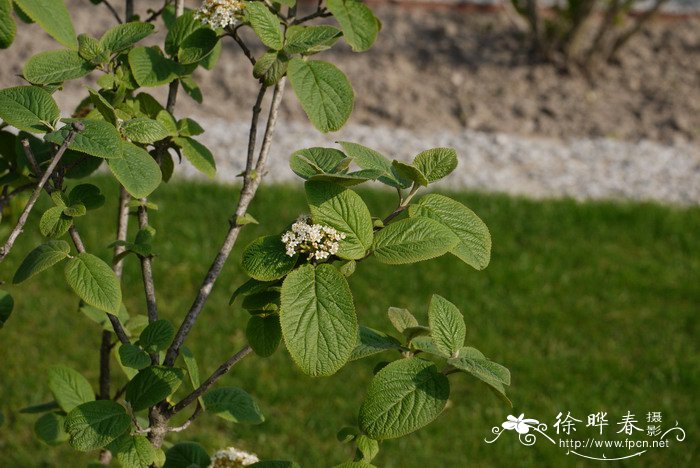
<point>536,167</point>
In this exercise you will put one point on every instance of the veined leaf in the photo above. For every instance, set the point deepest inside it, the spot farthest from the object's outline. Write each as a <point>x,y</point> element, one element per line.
<point>233,404</point>
<point>124,35</point>
<point>310,39</point>
<point>186,455</point>
<point>265,259</point>
<point>94,282</point>
<point>368,158</point>
<point>152,385</point>
<point>151,68</point>
<point>53,17</point>
<point>157,336</point>
<point>360,26</point>
<point>318,319</point>
<point>8,28</point>
<point>133,451</point>
<point>144,130</point>
<point>136,170</point>
<point>95,424</point>
<point>412,240</point>
<point>49,429</point>
<point>264,334</point>
<point>69,388</point>
<point>436,163</point>
<point>401,319</point>
<point>309,162</point>
<point>197,46</point>
<point>55,66</point>
<point>99,138</point>
<point>197,154</point>
<point>447,327</point>
<point>372,342</point>
<point>265,24</point>
<point>472,361</point>
<point>270,67</point>
<point>28,108</point>
<point>41,258</point>
<point>403,397</point>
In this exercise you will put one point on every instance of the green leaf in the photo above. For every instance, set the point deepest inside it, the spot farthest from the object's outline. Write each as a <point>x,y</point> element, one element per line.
<point>359,25</point>
<point>55,66</point>
<point>8,28</point>
<point>95,424</point>
<point>53,17</point>
<point>346,180</point>
<point>369,448</point>
<point>6,306</point>
<point>318,319</point>
<point>401,319</point>
<point>252,286</point>
<point>309,162</point>
<point>233,404</point>
<point>265,259</point>
<point>472,361</point>
<point>133,451</point>
<point>344,210</point>
<point>192,367</point>
<point>447,327</point>
<point>264,334</point>
<point>368,158</point>
<point>197,46</point>
<point>183,26</point>
<point>91,50</point>
<point>186,455</point>
<point>197,154</point>
<point>372,342</point>
<point>264,302</point>
<point>412,240</point>
<point>54,223</point>
<point>99,138</point>
<point>133,357</point>
<point>324,92</point>
<point>246,219</point>
<point>69,388</point>
<point>436,163</point>
<point>191,88</point>
<point>212,59</point>
<point>151,68</point>
<point>94,282</point>
<point>265,24</point>
<point>403,397</point>
<point>152,385</point>
<point>75,211</point>
<point>309,40</point>
<point>49,429</point>
<point>40,408</point>
<point>41,258</point>
<point>136,170</point>
<point>124,35</point>
<point>157,336</point>
<point>87,194</point>
<point>425,343</point>
<point>103,106</point>
<point>474,247</point>
<point>411,333</point>
<point>187,127</point>
<point>270,67</point>
<point>144,130</point>
<point>28,108</point>
<point>409,172</point>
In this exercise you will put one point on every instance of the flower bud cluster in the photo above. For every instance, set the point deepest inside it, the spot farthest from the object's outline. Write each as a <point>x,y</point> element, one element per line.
<point>220,13</point>
<point>232,457</point>
<point>316,240</point>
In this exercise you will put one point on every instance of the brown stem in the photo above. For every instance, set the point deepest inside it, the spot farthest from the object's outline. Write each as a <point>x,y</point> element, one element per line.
<point>37,191</point>
<point>218,373</point>
<point>129,9</point>
<point>147,270</point>
<point>105,349</point>
<point>243,46</point>
<point>113,11</point>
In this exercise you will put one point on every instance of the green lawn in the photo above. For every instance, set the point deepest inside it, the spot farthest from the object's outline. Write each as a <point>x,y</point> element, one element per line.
<point>592,306</point>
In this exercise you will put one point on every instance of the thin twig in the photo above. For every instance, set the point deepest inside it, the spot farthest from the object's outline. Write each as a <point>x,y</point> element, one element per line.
<point>218,373</point>
<point>37,191</point>
<point>244,47</point>
<point>251,181</point>
<point>105,349</point>
<point>122,228</point>
<point>403,204</point>
<point>319,13</point>
<point>113,10</point>
<point>190,420</point>
<point>155,14</point>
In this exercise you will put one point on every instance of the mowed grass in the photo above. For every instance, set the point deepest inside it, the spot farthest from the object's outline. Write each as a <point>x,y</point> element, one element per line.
<point>592,306</point>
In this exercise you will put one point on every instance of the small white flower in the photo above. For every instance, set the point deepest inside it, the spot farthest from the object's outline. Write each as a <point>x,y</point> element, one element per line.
<point>220,13</point>
<point>317,241</point>
<point>520,424</point>
<point>232,457</point>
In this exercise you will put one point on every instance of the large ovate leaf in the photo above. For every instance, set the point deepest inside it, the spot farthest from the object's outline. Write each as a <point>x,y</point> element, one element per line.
<point>94,282</point>
<point>372,342</point>
<point>49,429</point>
<point>324,92</point>
<point>412,240</point>
<point>265,24</point>
<point>41,258</point>
<point>144,130</point>
<point>152,385</point>
<point>474,247</point>
<point>309,162</point>
<point>318,319</point>
<point>98,138</point>
<point>55,66</point>
<point>69,388</point>
<point>342,209</point>
<point>157,336</point>
<point>186,455</point>
<point>28,108</point>
<point>368,158</point>
<point>310,39</point>
<point>95,424</point>
<point>151,68</point>
<point>136,170</point>
<point>54,223</point>
<point>436,163</point>
<point>6,306</point>
<point>265,259</point>
<point>197,154</point>
<point>122,36</point>
<point>447,327</point>
<point>197,46</point>
<point>472,361</point>
<point>8,28</point>
<point>359,25</point>
<point>403,397</point>
<point>264,334</point>
<point>133,451</point>
<point>53,17</point>
<point>233,404</point>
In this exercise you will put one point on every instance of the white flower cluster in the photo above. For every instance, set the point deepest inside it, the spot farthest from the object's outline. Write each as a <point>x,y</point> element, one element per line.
<point>232,457</point>
<point>220,13</point>
<point>316,240</point>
